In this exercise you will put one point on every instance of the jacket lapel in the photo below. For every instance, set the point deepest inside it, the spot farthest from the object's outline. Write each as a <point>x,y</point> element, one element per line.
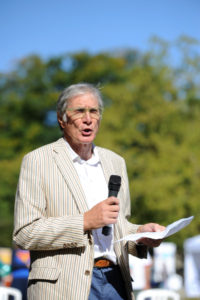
<point>66,167</point>
<point>106,164</point>
<point>109,169</point>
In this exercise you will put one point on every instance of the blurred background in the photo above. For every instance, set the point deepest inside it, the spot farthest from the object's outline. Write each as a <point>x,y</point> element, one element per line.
<point>144,55</point>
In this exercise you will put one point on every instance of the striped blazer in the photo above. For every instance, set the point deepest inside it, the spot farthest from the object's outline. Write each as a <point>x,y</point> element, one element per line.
<point>49,208</point>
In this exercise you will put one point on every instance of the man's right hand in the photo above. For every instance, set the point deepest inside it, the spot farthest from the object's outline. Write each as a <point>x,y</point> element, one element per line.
<point>102,214</point>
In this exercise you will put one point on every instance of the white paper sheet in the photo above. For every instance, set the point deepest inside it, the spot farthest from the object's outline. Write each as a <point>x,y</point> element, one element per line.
<point>169,230</point>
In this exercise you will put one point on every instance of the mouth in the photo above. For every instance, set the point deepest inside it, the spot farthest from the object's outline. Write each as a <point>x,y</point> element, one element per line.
<point>86,132</point>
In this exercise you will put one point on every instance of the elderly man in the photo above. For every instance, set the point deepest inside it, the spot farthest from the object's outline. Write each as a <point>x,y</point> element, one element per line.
<point>62,203</point>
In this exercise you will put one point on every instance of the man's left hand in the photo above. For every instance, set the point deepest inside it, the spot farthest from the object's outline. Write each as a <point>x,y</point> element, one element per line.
<point>150,227</point>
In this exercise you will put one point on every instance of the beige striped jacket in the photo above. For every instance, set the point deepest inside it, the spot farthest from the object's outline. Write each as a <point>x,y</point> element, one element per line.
<point>49,208</point>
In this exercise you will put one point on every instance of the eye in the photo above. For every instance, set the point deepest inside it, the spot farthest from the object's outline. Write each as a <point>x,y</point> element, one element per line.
<point>94,110</point>
<point>80,110</point>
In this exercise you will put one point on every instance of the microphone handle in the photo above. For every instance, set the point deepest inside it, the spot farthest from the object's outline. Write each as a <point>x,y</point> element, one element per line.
<point>112,193</point>
<point>106,230</point>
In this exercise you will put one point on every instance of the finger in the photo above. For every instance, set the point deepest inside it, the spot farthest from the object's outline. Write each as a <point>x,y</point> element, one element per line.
<point>112,201</point>
<point>158,227</point>
<point>113,214</point>
<point>114,208</point>
<point>150,242</point>
<point>113,218</point>
<point>154,243</point>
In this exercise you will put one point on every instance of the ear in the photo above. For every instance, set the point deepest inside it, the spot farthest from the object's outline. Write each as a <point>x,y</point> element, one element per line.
<point>60,121</point>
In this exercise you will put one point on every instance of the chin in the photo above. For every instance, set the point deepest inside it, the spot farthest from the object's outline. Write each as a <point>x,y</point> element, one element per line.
<point>87,140</point>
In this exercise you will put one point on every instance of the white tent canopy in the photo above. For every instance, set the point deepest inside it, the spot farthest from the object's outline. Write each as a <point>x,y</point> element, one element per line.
<point>192,266</point>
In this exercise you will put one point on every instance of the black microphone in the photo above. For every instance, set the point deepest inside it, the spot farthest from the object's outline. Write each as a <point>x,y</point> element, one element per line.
<point>113,187</point>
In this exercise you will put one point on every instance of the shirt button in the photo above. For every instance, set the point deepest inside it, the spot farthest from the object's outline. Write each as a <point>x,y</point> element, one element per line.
<point>87,272</point>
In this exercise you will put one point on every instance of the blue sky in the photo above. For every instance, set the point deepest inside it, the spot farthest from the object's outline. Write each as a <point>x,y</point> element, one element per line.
<point>54,27</point>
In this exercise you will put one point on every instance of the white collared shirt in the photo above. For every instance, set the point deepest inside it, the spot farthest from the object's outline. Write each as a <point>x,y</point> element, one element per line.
<point>96,190</point>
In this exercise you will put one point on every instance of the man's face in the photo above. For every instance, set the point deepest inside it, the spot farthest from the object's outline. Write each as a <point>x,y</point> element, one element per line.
<point>83,120</point>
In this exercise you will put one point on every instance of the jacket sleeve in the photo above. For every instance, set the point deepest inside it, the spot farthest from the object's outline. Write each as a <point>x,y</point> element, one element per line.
<point>140,250</point>
<point>33,229</point>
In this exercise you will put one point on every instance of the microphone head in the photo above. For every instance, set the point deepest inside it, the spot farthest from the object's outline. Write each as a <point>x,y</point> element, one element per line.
<point>114,183</point>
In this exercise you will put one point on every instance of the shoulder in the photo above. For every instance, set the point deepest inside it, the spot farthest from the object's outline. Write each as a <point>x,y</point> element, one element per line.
<point>109,154</point>
<point>44,151</point>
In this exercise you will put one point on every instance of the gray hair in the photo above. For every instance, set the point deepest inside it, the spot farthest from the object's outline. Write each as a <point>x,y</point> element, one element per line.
<point>73,91</point>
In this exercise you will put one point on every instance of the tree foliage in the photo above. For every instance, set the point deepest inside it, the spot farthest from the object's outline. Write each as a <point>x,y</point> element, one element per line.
<point>151,118</point>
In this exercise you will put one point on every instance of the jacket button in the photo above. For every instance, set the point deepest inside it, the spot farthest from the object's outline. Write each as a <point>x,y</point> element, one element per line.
<point>87,272</point>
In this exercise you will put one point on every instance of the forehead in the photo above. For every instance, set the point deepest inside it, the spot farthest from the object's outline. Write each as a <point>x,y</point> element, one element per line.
<point>83,100</point>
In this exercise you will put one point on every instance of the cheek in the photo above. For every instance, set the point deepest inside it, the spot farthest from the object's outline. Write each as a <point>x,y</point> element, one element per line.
<point>76,125</point>
<point>97,126</point>
<point>72,129</point>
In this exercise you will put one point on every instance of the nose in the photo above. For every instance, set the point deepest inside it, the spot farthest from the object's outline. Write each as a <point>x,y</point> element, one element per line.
<point>87,118</point>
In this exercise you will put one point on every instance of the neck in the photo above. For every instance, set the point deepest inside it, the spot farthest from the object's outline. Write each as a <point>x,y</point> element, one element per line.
<point>83,150</point>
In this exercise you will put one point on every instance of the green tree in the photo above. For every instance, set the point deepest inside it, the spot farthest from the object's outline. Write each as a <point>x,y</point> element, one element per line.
<point>151,118</point>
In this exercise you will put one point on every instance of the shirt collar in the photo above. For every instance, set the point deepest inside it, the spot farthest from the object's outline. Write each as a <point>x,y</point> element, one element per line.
<point>94,160</point>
